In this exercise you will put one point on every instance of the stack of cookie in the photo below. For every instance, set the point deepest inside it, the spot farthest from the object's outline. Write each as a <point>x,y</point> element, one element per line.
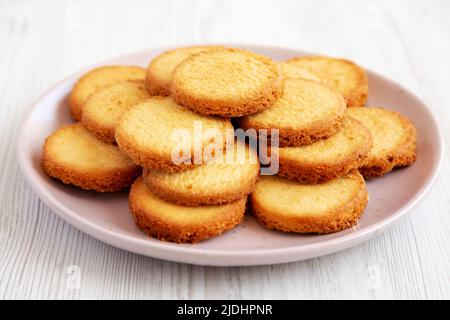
<point>174,121</point>
<point>326,136</point>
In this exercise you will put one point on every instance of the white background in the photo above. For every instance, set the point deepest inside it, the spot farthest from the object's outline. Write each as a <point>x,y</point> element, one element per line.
<point>42,42</point>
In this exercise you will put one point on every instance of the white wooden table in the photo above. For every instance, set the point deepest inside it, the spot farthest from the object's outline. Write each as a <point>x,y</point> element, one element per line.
<point>42,42</point>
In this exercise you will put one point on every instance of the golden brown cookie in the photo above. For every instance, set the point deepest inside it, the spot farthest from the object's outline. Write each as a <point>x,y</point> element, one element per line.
<point>103,108</point>
<point>327,159</point>
<point>159,72</point>
<point>181,224</point>
<point>343,75</point>
<point>75,156</point>
<point>156,131</point>
<point>97,78</point>
<point>226,82</point>
<point>307,111</point>
<point>288,206</point>
<point>220,181</point>
<point>394,140</point>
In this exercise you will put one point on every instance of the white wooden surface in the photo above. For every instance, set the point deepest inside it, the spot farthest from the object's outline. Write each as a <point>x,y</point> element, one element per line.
<point>42,42</point>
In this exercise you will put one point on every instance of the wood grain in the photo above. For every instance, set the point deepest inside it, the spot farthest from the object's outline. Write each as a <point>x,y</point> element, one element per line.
<point>44,41</point>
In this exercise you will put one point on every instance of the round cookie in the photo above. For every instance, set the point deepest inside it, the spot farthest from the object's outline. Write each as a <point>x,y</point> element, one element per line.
<point>226,82</point>
<point>157,130</point>
<point>327,159</point>
<point>181,224</point>
<point>288,206</point>
<point>159,72</point>
<point>394,140</point>
<point>343,75</point>
<point>103,108</point>
<point>306,112</point>
<point>97,78</point>
<point>215,182</point>
<point>75,156</point>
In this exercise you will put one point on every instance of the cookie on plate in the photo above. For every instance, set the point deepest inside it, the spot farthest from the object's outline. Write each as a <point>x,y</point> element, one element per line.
<point>97,78</point>
<point>181,224</point>
<point>288,206</point>
<point>159,72</point>
<point>103,108</point>
<point>394,140</point>
<point>226,82</point>
<point>307,111</point>
<point>160,134</point>
<point>327,159</point>
<point>343,75</point>
<point>223,180</point>
<point>75,156</point>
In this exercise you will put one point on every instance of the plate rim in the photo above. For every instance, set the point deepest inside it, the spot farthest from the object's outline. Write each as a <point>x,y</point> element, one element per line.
<point>216,257</point>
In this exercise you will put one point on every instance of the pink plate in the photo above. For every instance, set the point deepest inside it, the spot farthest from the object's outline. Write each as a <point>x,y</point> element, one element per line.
<point>107,218</point>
